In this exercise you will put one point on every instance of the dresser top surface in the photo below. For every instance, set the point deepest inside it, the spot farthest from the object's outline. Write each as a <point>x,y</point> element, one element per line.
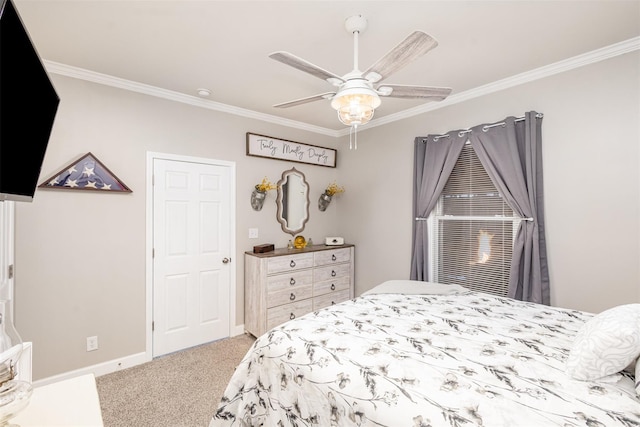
<point>285,251</point>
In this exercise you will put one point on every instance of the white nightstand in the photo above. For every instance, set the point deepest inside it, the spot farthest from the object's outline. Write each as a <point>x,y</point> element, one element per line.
<point>69,403</point>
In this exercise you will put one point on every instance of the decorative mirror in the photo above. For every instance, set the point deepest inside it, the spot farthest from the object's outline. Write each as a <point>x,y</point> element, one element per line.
<point>292,201</point>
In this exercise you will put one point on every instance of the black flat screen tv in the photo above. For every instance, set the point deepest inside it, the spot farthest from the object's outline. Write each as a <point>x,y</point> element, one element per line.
<point>28,106</point>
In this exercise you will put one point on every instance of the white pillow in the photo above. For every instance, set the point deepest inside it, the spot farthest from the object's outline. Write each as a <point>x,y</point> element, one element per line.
<point>415,287</point>
<point>606,343</point>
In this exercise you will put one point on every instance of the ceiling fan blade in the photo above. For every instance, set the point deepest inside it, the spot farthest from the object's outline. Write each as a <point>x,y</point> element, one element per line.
<point>415,45</point>
<point>326,95</point>
<point>306,66</point>
<point>406,91</point>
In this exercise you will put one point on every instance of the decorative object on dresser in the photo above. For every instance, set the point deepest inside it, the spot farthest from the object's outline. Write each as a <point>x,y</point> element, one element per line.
<point>333,241</point>
<point>259,193</point>
<point>260,249</point>
<point>299,242</point>
<point>289,283</point>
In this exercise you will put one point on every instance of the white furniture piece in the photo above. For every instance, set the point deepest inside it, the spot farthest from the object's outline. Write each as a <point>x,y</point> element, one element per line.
<point>72,402</point>
<point>287,283</point>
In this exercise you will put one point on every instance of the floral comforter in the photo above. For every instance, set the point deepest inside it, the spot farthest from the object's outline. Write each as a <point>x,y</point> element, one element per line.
<point>467,359</point>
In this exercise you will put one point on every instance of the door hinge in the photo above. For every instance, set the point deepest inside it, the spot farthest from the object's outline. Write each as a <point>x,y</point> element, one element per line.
<point>153,252</point>
<point>153,326</point>
<point>10,271</point>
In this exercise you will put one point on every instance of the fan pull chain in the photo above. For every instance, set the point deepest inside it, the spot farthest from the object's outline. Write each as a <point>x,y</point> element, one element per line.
<point>353,131</point>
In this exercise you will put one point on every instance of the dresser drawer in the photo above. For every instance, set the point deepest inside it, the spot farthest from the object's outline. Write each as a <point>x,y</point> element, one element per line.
<point>338,284</point>
<point>284,313</point>
<point>331,272</point>
<point>286,296</point>
<point>289,263</point>
<point>330,299</point>
<point>333,256</point>
<point>289,280</point>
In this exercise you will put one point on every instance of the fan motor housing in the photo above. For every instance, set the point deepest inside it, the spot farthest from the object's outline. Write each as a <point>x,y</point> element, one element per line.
<point>356,23</point>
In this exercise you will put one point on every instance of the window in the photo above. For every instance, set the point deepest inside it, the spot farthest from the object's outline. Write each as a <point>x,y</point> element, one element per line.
<point>472,230</point>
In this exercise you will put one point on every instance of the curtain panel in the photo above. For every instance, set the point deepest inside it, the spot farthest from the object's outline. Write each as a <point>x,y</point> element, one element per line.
<point>511,153</point>
<point>434,160</point>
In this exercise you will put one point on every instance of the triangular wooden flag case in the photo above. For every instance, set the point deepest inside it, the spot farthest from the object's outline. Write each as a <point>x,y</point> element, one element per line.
<point>87,173</point>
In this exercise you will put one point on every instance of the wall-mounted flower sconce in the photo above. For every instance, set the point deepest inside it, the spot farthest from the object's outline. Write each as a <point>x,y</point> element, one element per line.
<point>259,193</point>
<point>327,196</point>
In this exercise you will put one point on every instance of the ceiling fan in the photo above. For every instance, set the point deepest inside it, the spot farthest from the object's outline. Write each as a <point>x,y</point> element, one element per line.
<point>358,92</point>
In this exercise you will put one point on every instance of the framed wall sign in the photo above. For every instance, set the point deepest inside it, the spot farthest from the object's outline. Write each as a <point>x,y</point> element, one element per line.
<point>281,149</point>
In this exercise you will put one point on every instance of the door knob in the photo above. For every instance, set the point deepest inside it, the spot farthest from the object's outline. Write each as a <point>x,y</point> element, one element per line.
<point>226,260</point>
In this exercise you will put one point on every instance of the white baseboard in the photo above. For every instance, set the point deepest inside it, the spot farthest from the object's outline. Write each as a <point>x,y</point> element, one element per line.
<point>113,365</point>
<point>237,330</point>
<point>99,369</point>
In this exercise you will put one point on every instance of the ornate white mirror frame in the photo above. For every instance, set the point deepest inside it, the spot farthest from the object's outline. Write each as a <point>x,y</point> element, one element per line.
<point>292,201</point>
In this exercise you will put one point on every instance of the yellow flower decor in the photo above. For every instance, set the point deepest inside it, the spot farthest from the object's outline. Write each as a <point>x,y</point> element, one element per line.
<point>334,189</point>
<point>265,185</point>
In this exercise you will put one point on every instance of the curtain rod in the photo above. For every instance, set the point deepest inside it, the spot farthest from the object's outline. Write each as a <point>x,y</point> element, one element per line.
<point>484,128</point>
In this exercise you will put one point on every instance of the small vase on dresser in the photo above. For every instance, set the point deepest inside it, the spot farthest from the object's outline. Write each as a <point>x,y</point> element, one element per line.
<point>284,284</point>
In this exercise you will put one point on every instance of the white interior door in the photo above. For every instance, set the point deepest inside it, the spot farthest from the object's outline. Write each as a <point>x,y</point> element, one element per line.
<point>191,254</point>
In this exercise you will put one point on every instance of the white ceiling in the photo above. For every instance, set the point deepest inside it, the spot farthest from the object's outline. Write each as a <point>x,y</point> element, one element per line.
<point>179,46</point>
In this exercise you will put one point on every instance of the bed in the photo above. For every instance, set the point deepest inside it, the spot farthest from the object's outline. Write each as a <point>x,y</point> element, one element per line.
<point>417,354</point>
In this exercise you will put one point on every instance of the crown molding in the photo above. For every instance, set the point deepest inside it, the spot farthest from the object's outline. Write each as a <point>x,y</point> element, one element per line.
<point>107,80</point>
<point>594,56</point>
<point>597,55</point>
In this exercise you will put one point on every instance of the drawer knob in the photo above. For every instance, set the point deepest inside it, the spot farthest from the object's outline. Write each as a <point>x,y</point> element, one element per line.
<point>292,316</point>
<point>333,257</point>
<point>333,287</point>
<point>292,263</point>
<point>292,296</point>
<point>333,273</point>
<point>292,281</point>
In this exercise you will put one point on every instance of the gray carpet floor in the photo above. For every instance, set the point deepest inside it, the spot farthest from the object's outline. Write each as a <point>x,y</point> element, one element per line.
<point>181,389</point>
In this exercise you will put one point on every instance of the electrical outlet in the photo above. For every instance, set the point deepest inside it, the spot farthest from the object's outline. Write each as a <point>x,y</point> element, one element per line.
<point>92,343</point>
<point>253,233</point>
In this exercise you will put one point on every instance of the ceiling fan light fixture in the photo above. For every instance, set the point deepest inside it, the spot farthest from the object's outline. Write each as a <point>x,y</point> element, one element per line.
<point>355,105</point>
<point>355,116</point>
<point>356,100</point>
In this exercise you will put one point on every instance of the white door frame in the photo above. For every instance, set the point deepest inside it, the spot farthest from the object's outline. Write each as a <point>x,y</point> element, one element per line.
<point>151,156</point>
<point>7,225</point>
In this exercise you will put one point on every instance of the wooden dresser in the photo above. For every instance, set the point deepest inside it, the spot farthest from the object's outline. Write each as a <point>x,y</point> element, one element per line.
<point>287,283</point>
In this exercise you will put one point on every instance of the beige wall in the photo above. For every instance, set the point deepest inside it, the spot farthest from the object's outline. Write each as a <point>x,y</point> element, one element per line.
<point>80,256</point>
<point>591,157</point>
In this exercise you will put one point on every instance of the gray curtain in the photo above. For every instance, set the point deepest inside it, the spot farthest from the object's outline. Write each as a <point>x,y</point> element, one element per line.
<point>511,153</point>
<point>434,158</point>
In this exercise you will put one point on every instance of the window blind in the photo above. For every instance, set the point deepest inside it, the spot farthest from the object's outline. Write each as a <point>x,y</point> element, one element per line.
<point>472,230</point>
